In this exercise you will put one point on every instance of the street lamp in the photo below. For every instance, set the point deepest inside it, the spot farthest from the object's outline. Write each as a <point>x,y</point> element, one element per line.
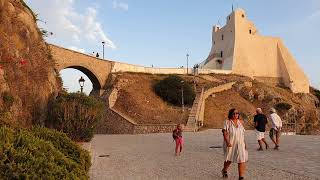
<point>187,62</point>
<point>103,49</point>
<point>182,100</point>
<point>81,83</point>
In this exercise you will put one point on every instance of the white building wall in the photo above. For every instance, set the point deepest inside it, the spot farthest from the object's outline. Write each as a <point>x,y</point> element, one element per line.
<point>246,52</point>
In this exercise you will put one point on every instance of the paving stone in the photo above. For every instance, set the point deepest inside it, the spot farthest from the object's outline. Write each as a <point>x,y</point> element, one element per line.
<point>151,156</point>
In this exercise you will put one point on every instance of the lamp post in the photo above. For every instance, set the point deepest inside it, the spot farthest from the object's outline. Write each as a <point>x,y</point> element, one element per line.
<point>182,99</point>
<point>81,83</point>
<point>103,49</point>
<point>187,62</point>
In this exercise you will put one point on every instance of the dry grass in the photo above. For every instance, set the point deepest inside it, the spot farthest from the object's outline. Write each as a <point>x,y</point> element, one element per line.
<point>139,101</point>
<point>217,108</point>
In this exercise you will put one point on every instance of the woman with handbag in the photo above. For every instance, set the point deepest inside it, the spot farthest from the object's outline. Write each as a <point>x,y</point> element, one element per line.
<point>234,146</point>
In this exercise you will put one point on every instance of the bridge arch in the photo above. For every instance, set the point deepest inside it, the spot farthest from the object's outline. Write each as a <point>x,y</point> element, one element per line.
<point>96,85</point>
<point>97,70</point>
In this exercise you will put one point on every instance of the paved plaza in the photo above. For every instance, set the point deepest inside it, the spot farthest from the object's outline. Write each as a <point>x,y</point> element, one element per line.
<point>151,156</point>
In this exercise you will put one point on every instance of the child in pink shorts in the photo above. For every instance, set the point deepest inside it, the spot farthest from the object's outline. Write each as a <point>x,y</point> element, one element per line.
<point>177,136</point>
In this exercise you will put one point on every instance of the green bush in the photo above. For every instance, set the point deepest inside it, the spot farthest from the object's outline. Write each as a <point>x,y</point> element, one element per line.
<point>24,155</point>
<point>61,142</point>
<point>8,100</point>
<point>283,106</point>
<point>76,114</point>
<point>169,89</point>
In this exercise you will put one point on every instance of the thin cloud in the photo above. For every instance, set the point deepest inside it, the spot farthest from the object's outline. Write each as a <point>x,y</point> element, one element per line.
<point>314,16</point>
<point>70,26</point>
<point>120,5</point>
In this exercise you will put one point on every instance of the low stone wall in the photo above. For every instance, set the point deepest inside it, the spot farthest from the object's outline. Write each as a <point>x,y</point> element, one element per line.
<point>205,95</point>
<point>118,123</point>
<point>213,71</point>
<point>124,67</point>
<point>216,89</point>
<point>273,81</point>
<point>114,124</point>
<point>153,128</point>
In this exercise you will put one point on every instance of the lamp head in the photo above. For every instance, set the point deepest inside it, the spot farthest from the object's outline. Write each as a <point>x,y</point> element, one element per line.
<point>81,81</point>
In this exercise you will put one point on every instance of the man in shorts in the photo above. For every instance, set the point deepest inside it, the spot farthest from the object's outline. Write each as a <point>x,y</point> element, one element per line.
<point>260,121</point>
<point>275,131</point>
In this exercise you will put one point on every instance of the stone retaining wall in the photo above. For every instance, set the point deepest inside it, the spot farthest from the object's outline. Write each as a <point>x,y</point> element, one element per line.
<point>273,81</point>
<point>153,128</point>
<point>114,124</point>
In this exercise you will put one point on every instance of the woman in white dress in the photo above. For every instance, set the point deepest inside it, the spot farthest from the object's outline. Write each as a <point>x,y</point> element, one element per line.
<point>234,146</point>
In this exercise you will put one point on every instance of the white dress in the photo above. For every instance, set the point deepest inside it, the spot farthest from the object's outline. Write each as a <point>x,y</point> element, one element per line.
<point>237,153</point>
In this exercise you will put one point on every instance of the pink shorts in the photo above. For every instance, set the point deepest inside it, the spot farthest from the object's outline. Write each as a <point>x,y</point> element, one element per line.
<point>179,141</point>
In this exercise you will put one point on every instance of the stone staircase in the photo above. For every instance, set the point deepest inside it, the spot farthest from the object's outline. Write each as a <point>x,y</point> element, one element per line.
<point>196,116</point>
<point>192,125</point>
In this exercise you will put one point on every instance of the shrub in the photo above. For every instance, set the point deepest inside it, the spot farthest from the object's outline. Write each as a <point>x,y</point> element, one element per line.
<point>26,156</point>
<point>283,106</point>
<point>169,89</point>
<point>6,118</point>
<point>76,114</point>
<point>316,92</point>
<point>61,142</point>
<point>8,100</point>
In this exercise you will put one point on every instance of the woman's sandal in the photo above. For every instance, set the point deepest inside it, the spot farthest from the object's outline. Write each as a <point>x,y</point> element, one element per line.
<point>224,174</point>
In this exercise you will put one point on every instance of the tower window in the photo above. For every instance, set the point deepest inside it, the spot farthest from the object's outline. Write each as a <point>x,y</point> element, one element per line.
<point>214,42</point>
<point>219,63</point>
<point>250,31</point>
<point>221,53</point>
<point>222,37</point>
<point>243,15</point>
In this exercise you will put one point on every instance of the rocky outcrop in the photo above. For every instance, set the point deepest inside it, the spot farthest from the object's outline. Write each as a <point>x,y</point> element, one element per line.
<point>27,74</point>
<point>299,112</point>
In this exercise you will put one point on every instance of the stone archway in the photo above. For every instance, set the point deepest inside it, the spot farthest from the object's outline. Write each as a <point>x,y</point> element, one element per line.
<point>96,85</point>
<point>96,69</point>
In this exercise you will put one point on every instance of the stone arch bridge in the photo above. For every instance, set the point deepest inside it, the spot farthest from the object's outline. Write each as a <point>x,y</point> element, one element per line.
<point>97,70</point>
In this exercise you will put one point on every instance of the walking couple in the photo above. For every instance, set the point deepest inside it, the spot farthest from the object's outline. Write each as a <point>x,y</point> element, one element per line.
<point>260,121</point>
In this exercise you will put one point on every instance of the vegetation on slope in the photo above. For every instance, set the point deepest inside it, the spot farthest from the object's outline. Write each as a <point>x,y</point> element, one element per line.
<point>76,114</point>
<point>170,89</point>
<point>40,153</point>
<point>27,70</point>
<point>138,100</point>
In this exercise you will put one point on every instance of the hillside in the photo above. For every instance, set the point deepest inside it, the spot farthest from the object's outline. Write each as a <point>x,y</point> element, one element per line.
<point>137,99</point>
<point>27,74</point>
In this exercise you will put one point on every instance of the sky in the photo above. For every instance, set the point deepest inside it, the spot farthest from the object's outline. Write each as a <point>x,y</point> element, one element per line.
<point>161,32</point>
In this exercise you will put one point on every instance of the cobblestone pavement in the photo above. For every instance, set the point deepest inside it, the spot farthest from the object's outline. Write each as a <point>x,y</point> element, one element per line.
<point>151,156</point>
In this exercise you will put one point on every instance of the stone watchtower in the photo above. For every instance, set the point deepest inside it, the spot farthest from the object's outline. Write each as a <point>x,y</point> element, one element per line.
<point>239,47</point>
